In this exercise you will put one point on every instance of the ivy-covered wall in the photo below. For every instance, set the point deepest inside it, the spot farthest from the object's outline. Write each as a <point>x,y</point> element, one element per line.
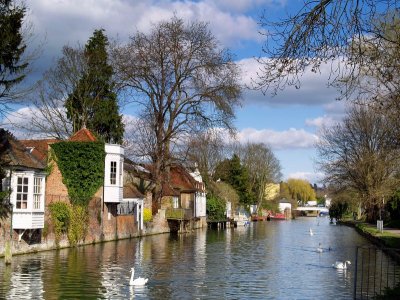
<point>82,168</point>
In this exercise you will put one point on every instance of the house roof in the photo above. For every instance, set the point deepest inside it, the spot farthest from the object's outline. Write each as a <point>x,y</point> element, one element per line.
<point>137,170</point>
<point>180,181</point>
<point>83,135</point>
<point>130,191</point>
<point>14,153</point>
<point>39,148</point>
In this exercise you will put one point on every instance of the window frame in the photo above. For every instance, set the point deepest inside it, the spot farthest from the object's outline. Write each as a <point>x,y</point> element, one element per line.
<point>37,192</point>
<point>113,172</point>
<point>22,192</point>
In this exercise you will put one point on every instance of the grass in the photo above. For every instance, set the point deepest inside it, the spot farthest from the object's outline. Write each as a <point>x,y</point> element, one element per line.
<point>390,240</point>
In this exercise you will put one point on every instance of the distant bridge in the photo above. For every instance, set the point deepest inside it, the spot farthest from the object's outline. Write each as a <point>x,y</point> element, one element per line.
<point>312,208</point>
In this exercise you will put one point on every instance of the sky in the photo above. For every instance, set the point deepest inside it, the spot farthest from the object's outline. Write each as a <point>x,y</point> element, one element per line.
<point>288,122</point>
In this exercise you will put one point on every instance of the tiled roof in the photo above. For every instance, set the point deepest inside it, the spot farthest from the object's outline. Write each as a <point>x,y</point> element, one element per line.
<point>83,135</point>
<point>180,181</point>
<point>39,148</point>
<point>14,153</point>
<point>137,170</point>
<point>130,191</point>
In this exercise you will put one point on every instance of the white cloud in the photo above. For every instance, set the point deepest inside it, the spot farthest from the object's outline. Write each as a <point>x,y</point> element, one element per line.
<point>246,5</point>
<point>313,91</point>
<point>74,20</point>
<point>278,140</point>
<point>324,121</point>
<point>309,176</point>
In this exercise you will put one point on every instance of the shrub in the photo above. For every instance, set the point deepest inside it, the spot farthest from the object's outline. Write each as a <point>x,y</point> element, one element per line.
<point>147,215</point>
<point>216,208</point>
<point>60,216</point>
<point>78,217</point>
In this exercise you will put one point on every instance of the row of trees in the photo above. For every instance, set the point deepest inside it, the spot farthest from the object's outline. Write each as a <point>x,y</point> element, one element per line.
<point>180,80</point>
<point>360,40</point>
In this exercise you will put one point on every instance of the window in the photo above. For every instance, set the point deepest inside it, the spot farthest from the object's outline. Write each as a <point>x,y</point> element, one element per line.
<point>22,192</point>
<point>113,172</point>
<point>175,202</point>
<point>121,168</point>
<point>37,192</point>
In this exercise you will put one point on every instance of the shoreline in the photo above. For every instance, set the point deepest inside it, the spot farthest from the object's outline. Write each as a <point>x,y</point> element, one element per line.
<point>393,252</point>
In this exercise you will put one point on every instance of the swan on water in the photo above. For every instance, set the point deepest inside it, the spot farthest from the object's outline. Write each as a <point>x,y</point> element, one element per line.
<point>140,281</point>
<point>311,232</point>
<point>319,249</point>
<point>341,265</point>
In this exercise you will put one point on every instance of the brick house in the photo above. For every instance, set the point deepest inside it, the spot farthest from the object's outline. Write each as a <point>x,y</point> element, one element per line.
<point>109,217</point>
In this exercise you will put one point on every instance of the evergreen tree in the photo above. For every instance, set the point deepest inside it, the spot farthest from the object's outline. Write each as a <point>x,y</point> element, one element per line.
<point>12,47</point>
<point>94,103</point>
<point>234,173</point>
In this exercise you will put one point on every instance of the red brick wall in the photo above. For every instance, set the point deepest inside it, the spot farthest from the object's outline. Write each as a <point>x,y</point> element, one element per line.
<point>55,188</point>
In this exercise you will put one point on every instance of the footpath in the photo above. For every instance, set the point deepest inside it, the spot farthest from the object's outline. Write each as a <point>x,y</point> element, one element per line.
<point>388,239</point>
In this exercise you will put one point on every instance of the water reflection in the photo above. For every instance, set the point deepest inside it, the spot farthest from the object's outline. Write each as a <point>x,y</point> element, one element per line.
<point>274,260</point>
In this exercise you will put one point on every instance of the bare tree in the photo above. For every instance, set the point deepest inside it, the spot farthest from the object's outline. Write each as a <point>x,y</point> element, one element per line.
<point>48,114</point>
<point>207,151</point>
<point>181,81</point>
<point>360,154</point>
<point>323,31</point>
<point>263,167</point>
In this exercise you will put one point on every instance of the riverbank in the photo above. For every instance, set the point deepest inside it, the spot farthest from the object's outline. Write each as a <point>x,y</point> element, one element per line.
<point>388,239</point>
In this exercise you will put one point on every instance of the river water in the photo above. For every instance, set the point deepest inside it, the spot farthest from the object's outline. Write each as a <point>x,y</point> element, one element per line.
<point>266,260</point>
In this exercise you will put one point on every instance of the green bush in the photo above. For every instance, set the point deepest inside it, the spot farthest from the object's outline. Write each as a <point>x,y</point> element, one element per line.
<point>147,215</point>
<point>60,216</point>
<point>78,217</point>
<point>69,219</point>
<point>216,208</point>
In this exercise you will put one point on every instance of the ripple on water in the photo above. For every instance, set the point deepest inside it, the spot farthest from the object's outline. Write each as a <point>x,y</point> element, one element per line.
<point>267,260</point>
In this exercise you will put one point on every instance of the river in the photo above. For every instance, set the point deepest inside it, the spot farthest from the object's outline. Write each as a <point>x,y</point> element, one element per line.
<point>266,260</point>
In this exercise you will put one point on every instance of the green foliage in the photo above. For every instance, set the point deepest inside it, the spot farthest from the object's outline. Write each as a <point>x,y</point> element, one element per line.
<point>147,215</point>
<point>93,102</point>
<point>393,206</point>
<point>234,173</point>
<point>69,219</point>
<point>271,205</point>
<point>12,46</point>
<point>78,219</point>
<point>60,216</point>
<point>300,190</point>
<point>338,209</point>
<point>82,167</point>
<point>216,208</point>
<point>224,191</point>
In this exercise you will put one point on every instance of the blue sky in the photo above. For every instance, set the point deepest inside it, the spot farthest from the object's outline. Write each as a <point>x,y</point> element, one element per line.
<point>288,122</point>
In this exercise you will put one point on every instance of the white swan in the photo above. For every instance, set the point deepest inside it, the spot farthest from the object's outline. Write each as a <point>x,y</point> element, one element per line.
<point>319,249</point>
<point>341,265</point>
<point>311,232</point>
<point>140,281</point>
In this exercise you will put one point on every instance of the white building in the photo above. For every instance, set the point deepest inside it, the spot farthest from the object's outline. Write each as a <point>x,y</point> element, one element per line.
<point>113,174</point>
<point>200,195</point>
<point>25,180</point>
